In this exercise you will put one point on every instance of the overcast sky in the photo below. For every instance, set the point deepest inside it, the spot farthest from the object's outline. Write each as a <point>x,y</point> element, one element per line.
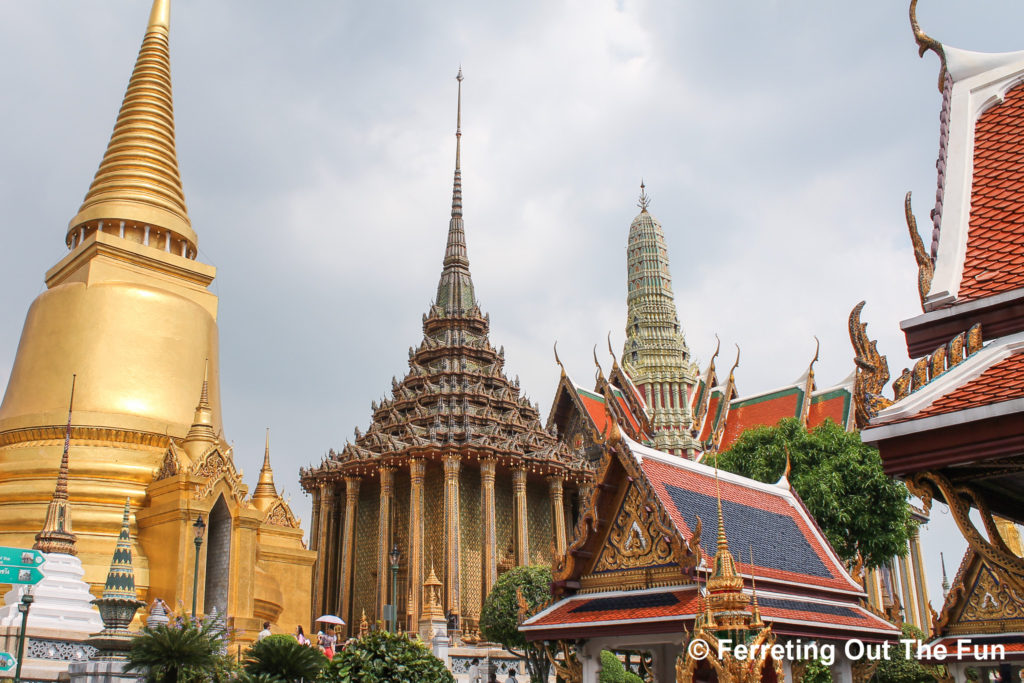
<point>315,140</point>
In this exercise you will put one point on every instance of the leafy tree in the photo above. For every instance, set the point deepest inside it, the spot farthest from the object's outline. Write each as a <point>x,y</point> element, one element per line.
<point>817,671</point>
<point>613,671</point>
<point>186,653</point>
<point>861,511</point>
<point>499,617</point>
<point>385,657</point>
<point>282,657</point>
<point>902,669</point>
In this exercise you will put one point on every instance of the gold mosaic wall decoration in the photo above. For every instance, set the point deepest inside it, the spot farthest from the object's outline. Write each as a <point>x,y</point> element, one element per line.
<point>504,514</point>
<point>538,522</point>
<point>364,579</point>
<point>400,535</point>
<point>433,523</point>
<point>472,541</point>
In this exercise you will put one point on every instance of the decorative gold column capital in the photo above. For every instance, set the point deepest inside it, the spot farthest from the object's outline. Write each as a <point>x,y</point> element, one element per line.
<point>387,478</point>
<point>417,468</point>
<point>555,485</point>
<point>487,469</point>
<point>519,478</point>
<point>452,465</point>
<point>352,486</point>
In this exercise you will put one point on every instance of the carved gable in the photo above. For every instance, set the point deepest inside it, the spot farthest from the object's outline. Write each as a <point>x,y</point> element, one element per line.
<point>982,601</point>
<point>636,539</point>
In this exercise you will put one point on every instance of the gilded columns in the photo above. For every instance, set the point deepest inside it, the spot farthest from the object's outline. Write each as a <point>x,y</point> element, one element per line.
<point>557,514</point>
<point>452,536</point>
<point>387,477</point>
<point>321,547</point>
<point>917,566</point>
<point>417,468</point>
<point>348,547</point>
<point>519,502</point>
<point>490,568</point>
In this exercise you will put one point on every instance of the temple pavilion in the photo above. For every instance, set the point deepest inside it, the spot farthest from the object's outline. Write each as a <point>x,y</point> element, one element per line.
<point>658,394</point>
<point>953,428</point>
<point>455,472</point>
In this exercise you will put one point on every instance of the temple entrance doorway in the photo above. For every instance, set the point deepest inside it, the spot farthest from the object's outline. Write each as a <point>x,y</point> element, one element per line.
<point>218,559</point>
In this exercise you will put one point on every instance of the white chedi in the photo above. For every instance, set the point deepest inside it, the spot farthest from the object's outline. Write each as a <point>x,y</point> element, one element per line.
<point>61,600</point>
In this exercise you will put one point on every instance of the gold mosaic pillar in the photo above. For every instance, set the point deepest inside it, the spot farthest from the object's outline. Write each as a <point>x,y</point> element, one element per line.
<point>557,514</point>
<point>331,548</point>
<point>490,569</point>
<point>519,502</point>
<point>417,469</point>
<point>452,535</point>
<point>917,566</point>
<point>348,547</point>
<point>321,547</point>
<point>387,477</point>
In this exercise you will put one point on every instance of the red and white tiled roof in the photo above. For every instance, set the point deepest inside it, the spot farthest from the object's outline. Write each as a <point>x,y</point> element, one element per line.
<point>789,548</point>
<point>987,384</point>
<point>673,608</point>
<point>978,238</point>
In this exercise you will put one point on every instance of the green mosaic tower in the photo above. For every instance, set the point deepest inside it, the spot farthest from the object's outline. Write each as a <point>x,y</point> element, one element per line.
<point>655,353</point>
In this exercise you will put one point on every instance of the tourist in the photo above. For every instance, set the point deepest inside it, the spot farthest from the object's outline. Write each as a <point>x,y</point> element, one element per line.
<point>301,636</point>
<point>511,678</point>
<point>265,632</point>
<point>493,678</point>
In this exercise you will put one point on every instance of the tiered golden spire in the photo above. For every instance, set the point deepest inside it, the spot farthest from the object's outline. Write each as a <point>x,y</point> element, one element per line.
<point>138,180</point>
<point>56,536</point>
<point>265,491</point>
<point>431,587</point>
<point>201,435</point>
<point>725,585</point>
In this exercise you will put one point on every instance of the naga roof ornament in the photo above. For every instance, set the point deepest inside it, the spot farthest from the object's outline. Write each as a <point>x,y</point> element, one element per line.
<point>925,262</point>
<point>926,43</point>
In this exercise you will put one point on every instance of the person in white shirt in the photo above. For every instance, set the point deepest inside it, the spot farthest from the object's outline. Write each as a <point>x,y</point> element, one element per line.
<point>265,632</point>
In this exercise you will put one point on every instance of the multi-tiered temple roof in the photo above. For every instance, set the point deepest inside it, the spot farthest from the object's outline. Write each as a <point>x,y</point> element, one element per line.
<point>456,396</point>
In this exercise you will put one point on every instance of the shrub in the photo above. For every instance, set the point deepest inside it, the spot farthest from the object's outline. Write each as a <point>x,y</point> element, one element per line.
<point>384,657</point>
<point>282,657</point>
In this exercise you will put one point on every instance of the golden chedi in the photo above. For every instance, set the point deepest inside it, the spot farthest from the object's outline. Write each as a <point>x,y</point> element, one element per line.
<point>128,310</point>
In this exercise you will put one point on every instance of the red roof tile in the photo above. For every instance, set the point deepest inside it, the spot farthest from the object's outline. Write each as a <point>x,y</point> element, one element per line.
<point>787,549</point>
<point>712,415</point>
<point>587,608</point>
<point>765,411</point>
<point>1001,382</point>
<point>832,405</point>
<point>995,238</point>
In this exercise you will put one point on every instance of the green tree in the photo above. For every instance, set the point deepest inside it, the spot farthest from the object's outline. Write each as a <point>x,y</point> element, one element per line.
<point>899,668</point>
<point>499,617</point>
<point>187,653</point>
<point>282,657</point>
<point>385,657</point>
<point>840,479</point>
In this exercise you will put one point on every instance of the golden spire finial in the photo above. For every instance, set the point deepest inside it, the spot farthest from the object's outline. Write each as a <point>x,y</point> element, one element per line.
<point>200,434</point>
<point>458,123</point>
<point>56,536</point>
<point>138,183</point>
<point>265,491</point>
<point>723,542</point>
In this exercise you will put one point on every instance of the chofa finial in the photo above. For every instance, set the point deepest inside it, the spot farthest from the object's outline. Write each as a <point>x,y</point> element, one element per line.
<point>926,42</point>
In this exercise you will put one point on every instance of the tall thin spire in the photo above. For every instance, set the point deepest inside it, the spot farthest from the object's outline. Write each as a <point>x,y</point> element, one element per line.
<point>138,181</point>
<point>265,491</point>
<point>201,435</point>
<point>945,581</point>
<point>56,535</point>
<point>455,290</point>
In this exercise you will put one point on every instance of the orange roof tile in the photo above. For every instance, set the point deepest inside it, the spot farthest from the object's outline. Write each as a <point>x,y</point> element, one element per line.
<point>994,261</point>
<point>762,411</point>
<point>833,405</point>
<point>1001,382</point>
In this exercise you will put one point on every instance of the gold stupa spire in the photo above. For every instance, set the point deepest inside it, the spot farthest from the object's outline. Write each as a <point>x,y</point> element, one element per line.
<point>137,190</point>
<point>431,587</point>
<point>201,435</point>
<point>56,536</point>
<point>725,585</point>
<point>265,491</point>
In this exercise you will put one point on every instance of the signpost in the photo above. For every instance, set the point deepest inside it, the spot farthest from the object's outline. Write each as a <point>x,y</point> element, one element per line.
<point>20,566</point>
<point>28,576</point>
<point>19,557</point>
